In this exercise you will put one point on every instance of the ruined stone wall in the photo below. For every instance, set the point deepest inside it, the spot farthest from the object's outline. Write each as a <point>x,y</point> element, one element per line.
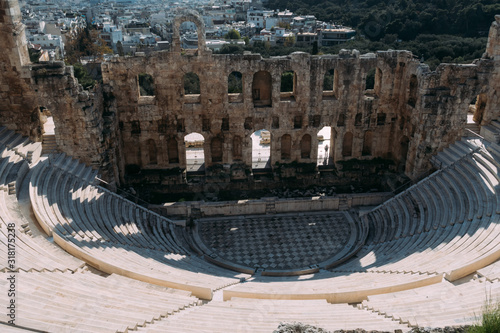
<point>26,89</point>
<point>18,107</point>
<point>410,114</point>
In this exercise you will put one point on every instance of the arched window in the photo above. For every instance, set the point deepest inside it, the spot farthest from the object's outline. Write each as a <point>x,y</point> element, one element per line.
<point>330,84</point>
<point>347,144</point>
<point>286,147</point>
<point>305,146</point>
<point>326,136</point>
<point>235,87</point>
<point>172,151</point>
<point>358,120</point>
<point>216,149</point>
<point>235,83</point>
<point>195,152</point>
<point>146,85</point>
<point>367,143</point>
<point>152,152</point>
<point>191,84</point>
<point>341,120</point>
<point>287,88</point>
<point>412,98</point>
<point>261,149</point>
<point>262,89</point>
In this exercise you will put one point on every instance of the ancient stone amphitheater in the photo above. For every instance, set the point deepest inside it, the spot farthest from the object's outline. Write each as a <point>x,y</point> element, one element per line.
<point>77,257</point>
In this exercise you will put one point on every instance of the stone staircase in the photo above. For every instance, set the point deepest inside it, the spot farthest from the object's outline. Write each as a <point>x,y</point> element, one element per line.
<point>49,144</point>
<point>491,132</point>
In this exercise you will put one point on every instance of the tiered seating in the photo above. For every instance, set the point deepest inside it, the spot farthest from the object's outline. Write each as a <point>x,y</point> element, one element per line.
<point>32,251</point>
<point>439,305</point>
<point>244,315</point>
<point>114,234</point>
<point>86,302</point>
<point>451,214</point>
<point>334,287</point>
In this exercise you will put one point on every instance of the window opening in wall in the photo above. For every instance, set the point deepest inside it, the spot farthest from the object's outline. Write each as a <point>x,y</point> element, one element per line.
<point>305,146</point>
<point>381,119</point>
<point>347,145</point>
<point>412,98</point>
<point>261,149</point>
<point>235,87</point>
<point>173,151</point>
<point>370,80</point>
<point>367,144</point>
<point>216,149</point>
<point>286,147</point>
<point>146,85</point>
<point>341,120</point>
<point>287,87</point>
<point>189,38</point>
<point>325,146</point>
<point>191,84</point>
<point>358,119</point>
<point>262,89</point>
<point>330,83</point>
<point>195,152</point>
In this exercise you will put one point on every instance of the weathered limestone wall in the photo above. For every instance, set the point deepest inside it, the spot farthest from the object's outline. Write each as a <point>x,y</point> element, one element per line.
<point>409,115</point>
<point>26,89</point>
<point>249,207</point>
<point>18,107</point>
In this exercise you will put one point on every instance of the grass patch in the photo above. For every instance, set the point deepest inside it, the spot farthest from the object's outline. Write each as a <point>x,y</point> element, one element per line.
<point>490,322</point>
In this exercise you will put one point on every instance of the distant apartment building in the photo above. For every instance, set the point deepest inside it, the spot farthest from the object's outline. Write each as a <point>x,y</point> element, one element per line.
<point>329,37</point>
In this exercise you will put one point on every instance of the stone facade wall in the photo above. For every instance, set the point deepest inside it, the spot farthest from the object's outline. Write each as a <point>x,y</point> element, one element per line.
<point>18,107</point>
<point>409,115</point>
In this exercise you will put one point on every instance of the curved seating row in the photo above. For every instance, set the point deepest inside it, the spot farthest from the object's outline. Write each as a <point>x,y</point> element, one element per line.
<point>114,234</point>
<point>439,305</point>
<point>32,252</point>
<point>245,315</point>
<point>334,287</point>
<point>87,302</point>
<point>444,224</point>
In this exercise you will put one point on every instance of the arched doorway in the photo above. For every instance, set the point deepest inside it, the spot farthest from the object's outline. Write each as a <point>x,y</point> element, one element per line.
<point>195,152</point>
<point>325,146</point>
<point>261,150</point>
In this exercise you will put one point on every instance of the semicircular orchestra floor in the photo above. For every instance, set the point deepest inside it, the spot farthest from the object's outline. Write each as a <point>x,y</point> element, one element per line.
<point>278,242</point>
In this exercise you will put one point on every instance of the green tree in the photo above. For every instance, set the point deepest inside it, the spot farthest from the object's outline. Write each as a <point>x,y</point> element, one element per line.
<point>232,34</point>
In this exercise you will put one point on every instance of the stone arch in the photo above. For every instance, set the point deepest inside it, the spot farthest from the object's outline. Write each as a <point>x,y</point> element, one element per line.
<point>305,146</point>
<point>191,84</point>
<point>195,152</point>
<point>261,149</point>
<point>367,143</point>
<point>341,120</point>
<point>288,85</point>
<point>326,150</point>
<point>173,151</point>
<point>146,84</point>
<point>216,149</point>
<point>152,152</point>
<point>188,16</point>
<point>330,84</point>
<point>358,119</point>
<point>235,87</point>
<point>412,96</point>
<point>286,147</point>
<point>347,144</point>
<point>237,148</point>
<point>262,86</point>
